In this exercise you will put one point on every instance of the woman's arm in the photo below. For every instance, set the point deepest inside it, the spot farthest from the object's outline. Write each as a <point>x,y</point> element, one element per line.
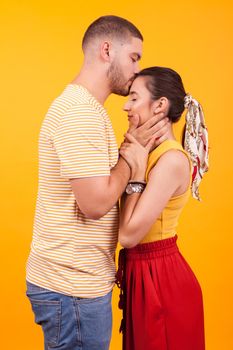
<point>168,178</point>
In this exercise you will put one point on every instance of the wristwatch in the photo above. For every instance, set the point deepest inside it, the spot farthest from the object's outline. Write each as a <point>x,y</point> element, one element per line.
<point>135,187</point>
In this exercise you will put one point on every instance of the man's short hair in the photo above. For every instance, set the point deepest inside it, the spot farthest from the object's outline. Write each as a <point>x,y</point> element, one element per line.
<point>112,26</point>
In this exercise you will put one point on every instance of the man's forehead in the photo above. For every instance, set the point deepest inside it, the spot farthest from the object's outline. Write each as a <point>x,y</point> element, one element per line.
<point>135,45</point>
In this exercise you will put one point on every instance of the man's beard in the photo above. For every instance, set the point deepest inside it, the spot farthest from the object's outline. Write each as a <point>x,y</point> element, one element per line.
<point>118,85</point>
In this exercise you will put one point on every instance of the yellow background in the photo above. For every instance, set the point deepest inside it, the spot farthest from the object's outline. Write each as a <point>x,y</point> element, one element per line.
<point>40,54</point>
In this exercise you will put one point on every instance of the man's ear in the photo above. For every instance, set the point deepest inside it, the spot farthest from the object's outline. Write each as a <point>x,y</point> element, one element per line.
<point>105,48</point>
<point>161,105</point>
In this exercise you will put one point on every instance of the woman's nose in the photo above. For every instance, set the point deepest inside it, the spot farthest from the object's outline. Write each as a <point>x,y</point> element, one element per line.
<point>126,107</point>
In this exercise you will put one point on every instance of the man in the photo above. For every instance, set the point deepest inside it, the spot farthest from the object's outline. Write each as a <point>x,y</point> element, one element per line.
<point>71,270</point>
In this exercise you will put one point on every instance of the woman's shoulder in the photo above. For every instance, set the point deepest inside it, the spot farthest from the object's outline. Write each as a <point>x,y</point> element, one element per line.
<point>170,155</point>
<point>175,159</point>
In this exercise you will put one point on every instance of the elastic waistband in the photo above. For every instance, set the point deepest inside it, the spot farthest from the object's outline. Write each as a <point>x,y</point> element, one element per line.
<point>153,249</point>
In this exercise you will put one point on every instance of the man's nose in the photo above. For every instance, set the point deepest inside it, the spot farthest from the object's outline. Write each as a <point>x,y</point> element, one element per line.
<point>137,68</point>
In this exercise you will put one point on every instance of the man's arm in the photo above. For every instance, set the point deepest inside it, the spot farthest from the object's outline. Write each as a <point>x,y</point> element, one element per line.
<point>97,195</point>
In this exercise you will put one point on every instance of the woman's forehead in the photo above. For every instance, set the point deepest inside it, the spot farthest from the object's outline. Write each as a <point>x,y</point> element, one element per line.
<point>138,85</point>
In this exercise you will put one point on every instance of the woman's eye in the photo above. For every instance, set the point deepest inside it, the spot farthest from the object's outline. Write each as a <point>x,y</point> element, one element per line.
<point>133,99</point>
<point>133,59</point>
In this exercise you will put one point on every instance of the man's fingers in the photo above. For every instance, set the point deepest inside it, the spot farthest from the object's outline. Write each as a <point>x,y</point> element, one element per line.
<point>162,131</point>
<point>161,139</point>
<point>150,144</point>
<point>159,116</point>
<point>152,121</point>
<point>155,130</point>
<point>155,127</point>
<point>158,129</point>
<point>130,138</point>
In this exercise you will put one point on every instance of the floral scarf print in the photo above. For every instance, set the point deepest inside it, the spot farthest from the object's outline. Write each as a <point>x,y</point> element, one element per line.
<point>196,142</point>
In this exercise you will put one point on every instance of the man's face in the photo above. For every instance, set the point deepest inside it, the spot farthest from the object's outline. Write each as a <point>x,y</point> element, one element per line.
<point>124,66</point>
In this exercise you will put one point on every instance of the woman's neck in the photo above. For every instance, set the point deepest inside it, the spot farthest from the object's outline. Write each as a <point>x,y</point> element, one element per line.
<point>170,134</point>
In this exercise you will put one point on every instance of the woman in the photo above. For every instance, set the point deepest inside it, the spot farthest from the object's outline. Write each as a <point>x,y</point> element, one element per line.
<point>160,296</point>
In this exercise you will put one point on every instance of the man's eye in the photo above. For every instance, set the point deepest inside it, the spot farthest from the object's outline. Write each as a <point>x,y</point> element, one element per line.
<point>133,99</point>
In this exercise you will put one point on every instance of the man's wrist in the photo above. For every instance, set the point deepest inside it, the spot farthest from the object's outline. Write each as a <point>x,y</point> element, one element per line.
<point>137,176</point>
<point>137,179</point>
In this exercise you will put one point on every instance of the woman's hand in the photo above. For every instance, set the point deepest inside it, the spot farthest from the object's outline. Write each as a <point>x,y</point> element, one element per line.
<point>136,156</point>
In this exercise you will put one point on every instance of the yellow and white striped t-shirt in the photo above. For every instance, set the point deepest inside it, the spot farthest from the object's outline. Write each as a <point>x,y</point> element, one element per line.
<point>70,253</point>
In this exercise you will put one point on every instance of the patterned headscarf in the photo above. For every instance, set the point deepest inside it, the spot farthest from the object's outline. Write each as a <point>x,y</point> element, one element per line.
<point>196,142</point>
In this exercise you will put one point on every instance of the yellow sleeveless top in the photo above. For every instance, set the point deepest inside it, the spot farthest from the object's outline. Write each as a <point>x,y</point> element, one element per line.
<point>166,224</point>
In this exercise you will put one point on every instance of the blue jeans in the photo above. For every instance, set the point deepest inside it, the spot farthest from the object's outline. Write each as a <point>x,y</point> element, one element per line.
<point>71,323</point>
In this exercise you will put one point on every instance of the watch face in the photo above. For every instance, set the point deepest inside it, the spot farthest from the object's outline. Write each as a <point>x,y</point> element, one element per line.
<point>134,188</point>
<point>129,189</point>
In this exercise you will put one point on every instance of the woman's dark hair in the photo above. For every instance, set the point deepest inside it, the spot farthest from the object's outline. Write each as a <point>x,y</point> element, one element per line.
<point>165,82</point>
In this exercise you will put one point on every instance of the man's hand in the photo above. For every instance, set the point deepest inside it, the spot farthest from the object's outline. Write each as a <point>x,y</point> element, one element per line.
<point>158,128</point>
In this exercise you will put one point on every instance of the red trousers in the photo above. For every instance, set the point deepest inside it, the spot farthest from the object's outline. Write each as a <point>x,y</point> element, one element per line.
<point>161,299</point>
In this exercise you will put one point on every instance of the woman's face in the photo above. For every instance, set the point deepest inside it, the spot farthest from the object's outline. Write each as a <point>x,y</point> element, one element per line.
<point>140,102</point>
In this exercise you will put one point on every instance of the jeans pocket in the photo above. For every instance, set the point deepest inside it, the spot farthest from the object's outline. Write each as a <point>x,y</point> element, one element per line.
<point>48,315</point>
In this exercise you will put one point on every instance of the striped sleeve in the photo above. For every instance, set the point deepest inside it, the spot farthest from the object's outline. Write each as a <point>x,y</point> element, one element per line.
<point>80,143</point>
